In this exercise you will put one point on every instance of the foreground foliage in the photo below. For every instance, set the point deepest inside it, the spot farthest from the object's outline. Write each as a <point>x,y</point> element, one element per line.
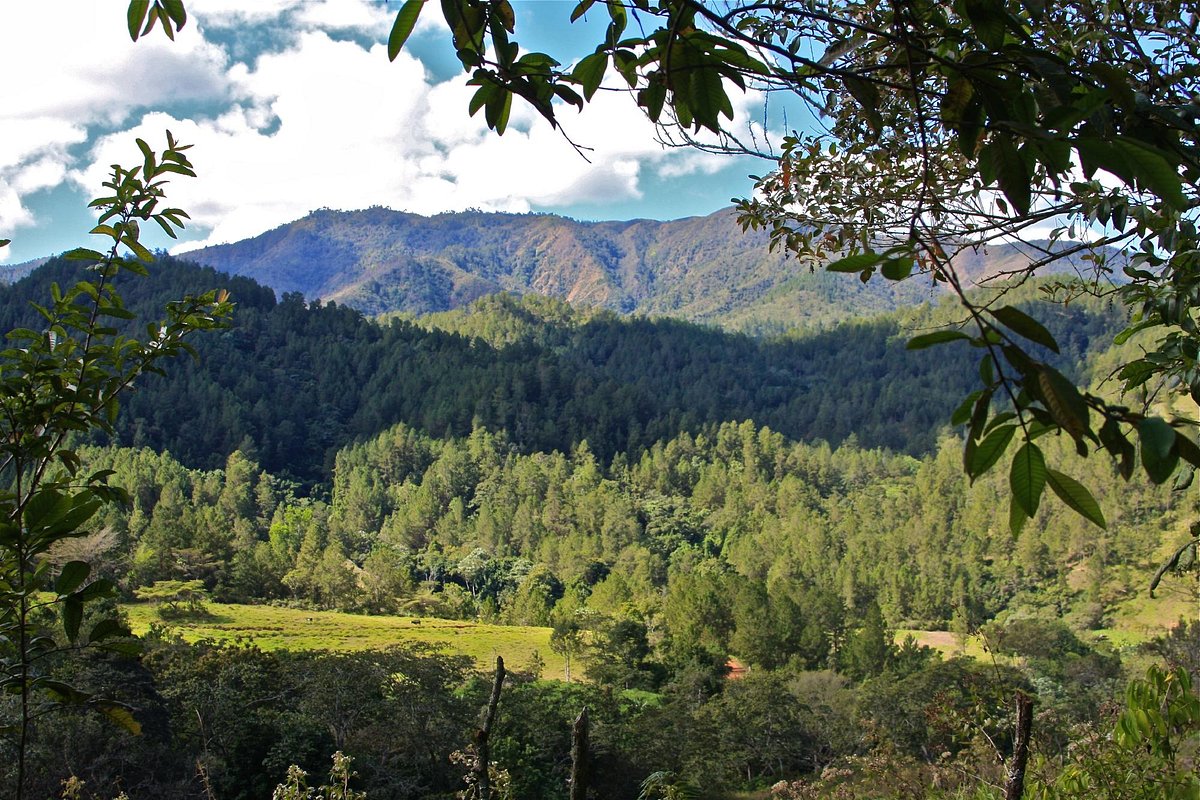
<point>56,382</point>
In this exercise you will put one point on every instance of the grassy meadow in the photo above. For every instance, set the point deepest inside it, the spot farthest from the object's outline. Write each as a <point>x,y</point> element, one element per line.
<point>273,628</point>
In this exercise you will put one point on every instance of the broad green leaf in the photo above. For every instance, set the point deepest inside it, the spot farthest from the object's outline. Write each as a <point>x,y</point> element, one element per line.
<point>1012,173</point>
<point>1022,324</point>
<point>652,98</point>
<point>708,99</point>
<point>1127,334</point>
<point>1064,401</point>
<point>581,9</point>
<point>990,449</point>
<point>1135,163</point>
<point>958,95</point>
<point>897,269</point>
<point>96,589</point>
<point>1159,454</point>
<point>589,72</point>
<point>1016,517</point>
<point>867,95</point>
<point>402,28</point>
<point>176,11</point>
<point>1076,496</point>
<point>855,263</point>
<point>107,628</point>
<point>84,254</point>
<point>72,576</point>
<point>1157,436</point>
<point>1152,171</point>
<point>987,21</point>
<point>135,16</point>
<point>122,716</point>
<point>1027,478</point>
<point>72,613</point>
<point>963,413</point>
<point>1187,449</point>
<point>937,337</point>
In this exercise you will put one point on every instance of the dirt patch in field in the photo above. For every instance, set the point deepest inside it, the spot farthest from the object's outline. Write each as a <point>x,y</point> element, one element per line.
<point>939,640</point>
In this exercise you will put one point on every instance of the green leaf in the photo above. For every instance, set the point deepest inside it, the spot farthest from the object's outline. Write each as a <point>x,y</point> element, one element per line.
<point>107,628</point>
<point>855,263</point>
<point>176,11</point>
<point>72,576</point>
<point>935,338</point>
<point>589,72</point>
<point>1064,401</point>
<point>122,716</point>
<point>135,16</point>
<point>84,254</point>
<point>1076,496</point>
<point>1153,171</point>
<point>96,589</point>
<point>1012,173</point>
<point>581,9</point>
<point>963,413</point>
<point>1016,517</point>
<point>866,93</point>
<point>1021,323</point>
<point>72,613</point>
<point>402,28</point>
<point>1159,454</point>
<point>897,269</point>
<point>652,98</point>
<point>1134,162</point>
<point>989,450</point>
<point>1187,449</point>
<point>987,21</point>
<point>1027,478</point>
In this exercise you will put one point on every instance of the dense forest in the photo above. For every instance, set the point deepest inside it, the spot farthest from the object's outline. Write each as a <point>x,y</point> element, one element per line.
<point>636,486</point>
<point>291,383</point>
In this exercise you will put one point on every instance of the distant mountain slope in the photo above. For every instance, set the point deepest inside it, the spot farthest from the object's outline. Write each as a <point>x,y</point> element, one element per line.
<point>703,269</point>
<point>11,273</point>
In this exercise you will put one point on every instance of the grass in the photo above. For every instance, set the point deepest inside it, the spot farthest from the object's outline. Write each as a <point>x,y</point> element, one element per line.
<point>947,643</point>
<point>273,628</point>
<point>1133,622</point>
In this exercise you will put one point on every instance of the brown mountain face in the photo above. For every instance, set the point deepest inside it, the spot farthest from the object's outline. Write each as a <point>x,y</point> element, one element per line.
<point>703,269</point>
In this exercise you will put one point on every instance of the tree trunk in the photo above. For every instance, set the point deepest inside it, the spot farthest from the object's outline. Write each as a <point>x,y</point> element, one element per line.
<point>580,768</point>
<point>482,755</point>
<point>1014,787</point>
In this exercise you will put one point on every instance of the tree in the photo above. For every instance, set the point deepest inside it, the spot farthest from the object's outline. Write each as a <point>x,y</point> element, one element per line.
<point>938,128</point>
<point>54,383</point>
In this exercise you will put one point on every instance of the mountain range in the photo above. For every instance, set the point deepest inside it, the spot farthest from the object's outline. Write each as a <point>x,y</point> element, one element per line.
<point>702,269</point>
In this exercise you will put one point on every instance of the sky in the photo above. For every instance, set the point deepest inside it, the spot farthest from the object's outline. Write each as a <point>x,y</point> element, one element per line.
<point>292,105</point>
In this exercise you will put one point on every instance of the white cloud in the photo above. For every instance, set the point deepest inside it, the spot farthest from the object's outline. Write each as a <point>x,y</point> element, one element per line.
<point>229,13</point>
<point>88,73</point>
<point>304,121</point>
<point>341,15</point>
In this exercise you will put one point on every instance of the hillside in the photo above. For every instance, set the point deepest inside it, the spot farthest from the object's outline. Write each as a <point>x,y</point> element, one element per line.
<point>703,269</point>
<point>293,382</point>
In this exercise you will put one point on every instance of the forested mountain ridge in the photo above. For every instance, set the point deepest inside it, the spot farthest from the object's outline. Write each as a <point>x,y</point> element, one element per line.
<point>292,382</point>
<point>703,269</point>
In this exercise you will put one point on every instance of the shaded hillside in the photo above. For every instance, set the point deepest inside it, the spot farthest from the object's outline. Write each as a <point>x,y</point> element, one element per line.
<point>292,383</point>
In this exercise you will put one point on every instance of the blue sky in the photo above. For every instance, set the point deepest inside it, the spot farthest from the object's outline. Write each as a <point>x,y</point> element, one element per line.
<point>292,105</point>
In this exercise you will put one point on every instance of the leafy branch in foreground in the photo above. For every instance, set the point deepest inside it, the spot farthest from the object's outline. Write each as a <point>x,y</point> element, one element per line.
<point>63,380</point>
